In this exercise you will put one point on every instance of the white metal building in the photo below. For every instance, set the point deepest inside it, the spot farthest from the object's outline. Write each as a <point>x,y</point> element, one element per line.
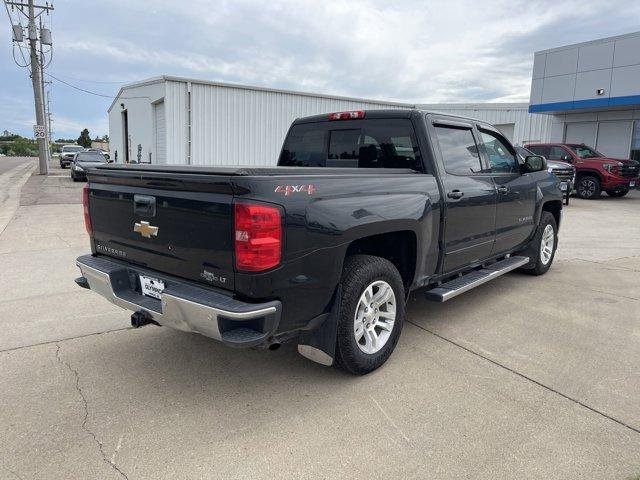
<point>512,119</point>
<point>195,122</point>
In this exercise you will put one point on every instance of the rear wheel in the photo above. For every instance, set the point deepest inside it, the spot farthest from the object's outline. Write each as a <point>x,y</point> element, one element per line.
<point>617,193</point>
<point>371,313</point>
<point>588,187</point>
<point>544,243</point>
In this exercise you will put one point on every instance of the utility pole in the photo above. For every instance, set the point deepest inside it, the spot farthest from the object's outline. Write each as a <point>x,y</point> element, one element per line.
<point>37,89</point>
<point>37,65</point>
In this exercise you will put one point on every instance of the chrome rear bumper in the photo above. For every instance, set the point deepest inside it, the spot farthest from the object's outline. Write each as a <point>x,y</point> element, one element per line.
<point>182,306</point>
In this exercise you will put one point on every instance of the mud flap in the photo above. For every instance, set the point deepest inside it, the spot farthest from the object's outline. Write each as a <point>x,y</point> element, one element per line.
<point>319,345</point>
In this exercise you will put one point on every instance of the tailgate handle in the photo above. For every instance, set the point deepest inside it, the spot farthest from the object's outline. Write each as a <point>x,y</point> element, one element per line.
<point>144,205</point>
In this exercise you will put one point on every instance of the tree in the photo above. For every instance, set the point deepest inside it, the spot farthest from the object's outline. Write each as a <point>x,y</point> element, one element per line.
<point>84,139</point>
<point>20,147</point>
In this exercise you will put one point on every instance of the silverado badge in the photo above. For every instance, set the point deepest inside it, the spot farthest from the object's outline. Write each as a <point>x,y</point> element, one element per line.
<point>146,230</point>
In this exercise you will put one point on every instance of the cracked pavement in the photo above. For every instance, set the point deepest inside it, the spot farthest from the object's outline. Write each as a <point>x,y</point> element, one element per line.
<point>525,377</point>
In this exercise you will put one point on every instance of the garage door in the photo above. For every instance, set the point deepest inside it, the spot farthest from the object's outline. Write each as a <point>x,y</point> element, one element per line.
<point>160,133</point>
<point>614,138</point>
<point>507,130</point>
<point>581,133</point>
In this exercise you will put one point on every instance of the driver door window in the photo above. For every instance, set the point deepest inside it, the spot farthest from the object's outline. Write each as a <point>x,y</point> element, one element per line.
<point>502,158</point>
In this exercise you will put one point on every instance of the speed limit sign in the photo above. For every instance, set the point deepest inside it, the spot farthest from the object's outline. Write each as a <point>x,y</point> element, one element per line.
<point>39,131</point>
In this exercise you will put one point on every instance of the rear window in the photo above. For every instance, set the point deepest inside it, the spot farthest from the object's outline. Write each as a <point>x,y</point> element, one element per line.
<point>388,143</point>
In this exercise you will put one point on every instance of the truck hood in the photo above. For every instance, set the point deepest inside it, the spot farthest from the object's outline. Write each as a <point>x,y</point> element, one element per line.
<point>555,164</point>
<point>603,160</point>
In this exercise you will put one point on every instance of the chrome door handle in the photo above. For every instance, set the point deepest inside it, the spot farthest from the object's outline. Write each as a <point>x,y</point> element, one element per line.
<point>503,190</point>
<point>455,194</point>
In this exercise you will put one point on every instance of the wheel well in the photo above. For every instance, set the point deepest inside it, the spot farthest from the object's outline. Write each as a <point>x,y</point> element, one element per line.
<point>589,173</point>
<point>553,207</point>
<point>397,247</point>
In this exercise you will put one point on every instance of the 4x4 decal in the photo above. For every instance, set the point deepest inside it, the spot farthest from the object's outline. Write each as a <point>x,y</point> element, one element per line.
<point>291,189</point>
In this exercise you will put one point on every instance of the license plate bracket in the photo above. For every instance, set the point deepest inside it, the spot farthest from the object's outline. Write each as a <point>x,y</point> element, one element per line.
<point>151,287</point>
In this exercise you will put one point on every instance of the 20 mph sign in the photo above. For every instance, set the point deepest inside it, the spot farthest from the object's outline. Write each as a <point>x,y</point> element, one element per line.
<point>39,131</point>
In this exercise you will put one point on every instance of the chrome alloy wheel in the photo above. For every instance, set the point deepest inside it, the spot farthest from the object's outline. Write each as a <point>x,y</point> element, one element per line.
<point>374,317</point>
<point>587,188</point>
<point>546,244</point>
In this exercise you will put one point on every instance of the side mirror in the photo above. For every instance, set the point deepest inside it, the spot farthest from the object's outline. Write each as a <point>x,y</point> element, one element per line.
<point>566,158</point>
<point>534,163</point>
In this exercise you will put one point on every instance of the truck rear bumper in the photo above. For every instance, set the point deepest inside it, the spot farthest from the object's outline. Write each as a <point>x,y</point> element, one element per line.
<point>182,305</point>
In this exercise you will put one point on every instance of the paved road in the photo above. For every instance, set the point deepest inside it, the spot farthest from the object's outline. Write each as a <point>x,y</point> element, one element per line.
<point>525,377</point>
<point>8,163</point>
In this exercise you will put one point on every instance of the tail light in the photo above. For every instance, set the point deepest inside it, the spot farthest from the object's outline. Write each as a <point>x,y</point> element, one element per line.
<point>258,236</point>
<point>85,205</point>
<point>354,114</point>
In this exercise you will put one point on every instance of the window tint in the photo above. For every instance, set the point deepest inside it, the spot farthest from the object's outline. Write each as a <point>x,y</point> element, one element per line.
<point>384,143</point>
<point>501,156</point>
<point>539,150</point>
<point>90,157</point>
<point>304,146</point>
<point>556,153</point>
<point>459,150</point>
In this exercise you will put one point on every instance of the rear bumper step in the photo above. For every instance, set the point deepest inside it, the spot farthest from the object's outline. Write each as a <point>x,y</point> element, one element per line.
<point>182,305</point>
<point>470,280</point>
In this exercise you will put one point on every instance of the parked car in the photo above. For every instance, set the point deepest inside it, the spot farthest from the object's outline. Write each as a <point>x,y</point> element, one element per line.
<point>67,154</point>
<point>82,161</point>
<point>595,172</point>
<point>323,250</point>
<point>565,172</point>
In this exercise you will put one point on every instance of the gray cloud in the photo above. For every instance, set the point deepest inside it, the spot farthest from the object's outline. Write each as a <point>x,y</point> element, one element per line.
<point>416,51</point>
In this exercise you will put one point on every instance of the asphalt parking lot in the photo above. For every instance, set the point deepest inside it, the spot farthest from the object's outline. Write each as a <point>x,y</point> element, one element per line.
<point>524,377</point>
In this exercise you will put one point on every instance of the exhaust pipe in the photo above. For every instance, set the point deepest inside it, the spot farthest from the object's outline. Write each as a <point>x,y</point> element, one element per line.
<point>141,318</point>
<point>272,344</point>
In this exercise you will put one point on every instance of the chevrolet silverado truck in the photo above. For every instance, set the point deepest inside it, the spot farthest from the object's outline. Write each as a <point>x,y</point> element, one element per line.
<point>322,250</point>
<point>67,154</point>
<point>595,172</point>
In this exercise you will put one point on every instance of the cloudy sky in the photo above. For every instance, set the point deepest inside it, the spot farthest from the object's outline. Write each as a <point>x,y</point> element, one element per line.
<point>416,51</point>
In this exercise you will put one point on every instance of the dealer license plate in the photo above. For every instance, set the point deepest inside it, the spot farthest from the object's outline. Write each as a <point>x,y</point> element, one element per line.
<point>151,287</point>
<point>563,186</point>
<point>632,184</point>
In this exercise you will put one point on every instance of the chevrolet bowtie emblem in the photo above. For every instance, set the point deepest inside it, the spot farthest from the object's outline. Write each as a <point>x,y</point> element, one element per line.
<point>146,230</point>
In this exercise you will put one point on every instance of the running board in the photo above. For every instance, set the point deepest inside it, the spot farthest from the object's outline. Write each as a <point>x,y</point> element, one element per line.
<point>470,280</point>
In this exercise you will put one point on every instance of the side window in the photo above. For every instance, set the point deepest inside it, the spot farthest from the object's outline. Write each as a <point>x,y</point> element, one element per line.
<point>556,153</point>
<point>459,150</point>
<point>501,157</point>
<point>539,150</point>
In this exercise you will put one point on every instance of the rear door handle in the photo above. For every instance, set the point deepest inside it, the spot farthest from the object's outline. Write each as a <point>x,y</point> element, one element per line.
<point>455,194</point>
<point>503,190</point>
<point>144,205</point>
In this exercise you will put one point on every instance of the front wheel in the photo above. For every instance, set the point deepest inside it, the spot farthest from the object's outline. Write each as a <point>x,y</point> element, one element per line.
<point>617,193</point>
<point>588,187</point>
<point>371,313</point>
<point>544,244</point>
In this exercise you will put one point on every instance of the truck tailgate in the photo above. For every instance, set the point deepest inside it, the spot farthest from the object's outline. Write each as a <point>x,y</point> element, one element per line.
<point>182,225</point>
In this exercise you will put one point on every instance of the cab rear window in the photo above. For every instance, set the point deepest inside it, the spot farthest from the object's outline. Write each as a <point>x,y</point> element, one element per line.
<point>388,143</point>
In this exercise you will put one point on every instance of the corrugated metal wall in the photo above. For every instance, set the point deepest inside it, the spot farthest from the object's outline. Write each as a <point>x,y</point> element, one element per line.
<point>176,112</point>
<point>237,126</point>
<point>528,127</point>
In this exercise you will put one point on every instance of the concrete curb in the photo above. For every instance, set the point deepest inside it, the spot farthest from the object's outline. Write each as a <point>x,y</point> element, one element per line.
<point>12,182</point>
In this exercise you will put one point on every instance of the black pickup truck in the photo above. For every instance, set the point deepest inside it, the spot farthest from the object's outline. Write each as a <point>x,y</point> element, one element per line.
<point>323,250</point>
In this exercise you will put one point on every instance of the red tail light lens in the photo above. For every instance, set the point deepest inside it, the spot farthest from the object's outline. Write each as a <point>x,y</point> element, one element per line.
<point>258,236</point>
<point>85,204</point>
<point>354,114</point>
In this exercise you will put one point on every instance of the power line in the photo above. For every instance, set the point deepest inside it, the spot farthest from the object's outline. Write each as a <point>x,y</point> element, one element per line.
<point>87,81</point>
<point>112,97</point>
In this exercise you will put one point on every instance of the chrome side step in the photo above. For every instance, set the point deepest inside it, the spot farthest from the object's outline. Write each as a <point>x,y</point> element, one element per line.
<point>470,280</point>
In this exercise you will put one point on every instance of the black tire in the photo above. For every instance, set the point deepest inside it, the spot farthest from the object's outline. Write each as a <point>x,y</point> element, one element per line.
<point>588,187</point>
<point>358,273</point>
<point>617,193</point>
<point>539,266</point>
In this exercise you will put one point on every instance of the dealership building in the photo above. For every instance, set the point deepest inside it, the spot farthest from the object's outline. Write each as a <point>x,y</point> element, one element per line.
<point>591,92</point>
<point>584,93</point>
